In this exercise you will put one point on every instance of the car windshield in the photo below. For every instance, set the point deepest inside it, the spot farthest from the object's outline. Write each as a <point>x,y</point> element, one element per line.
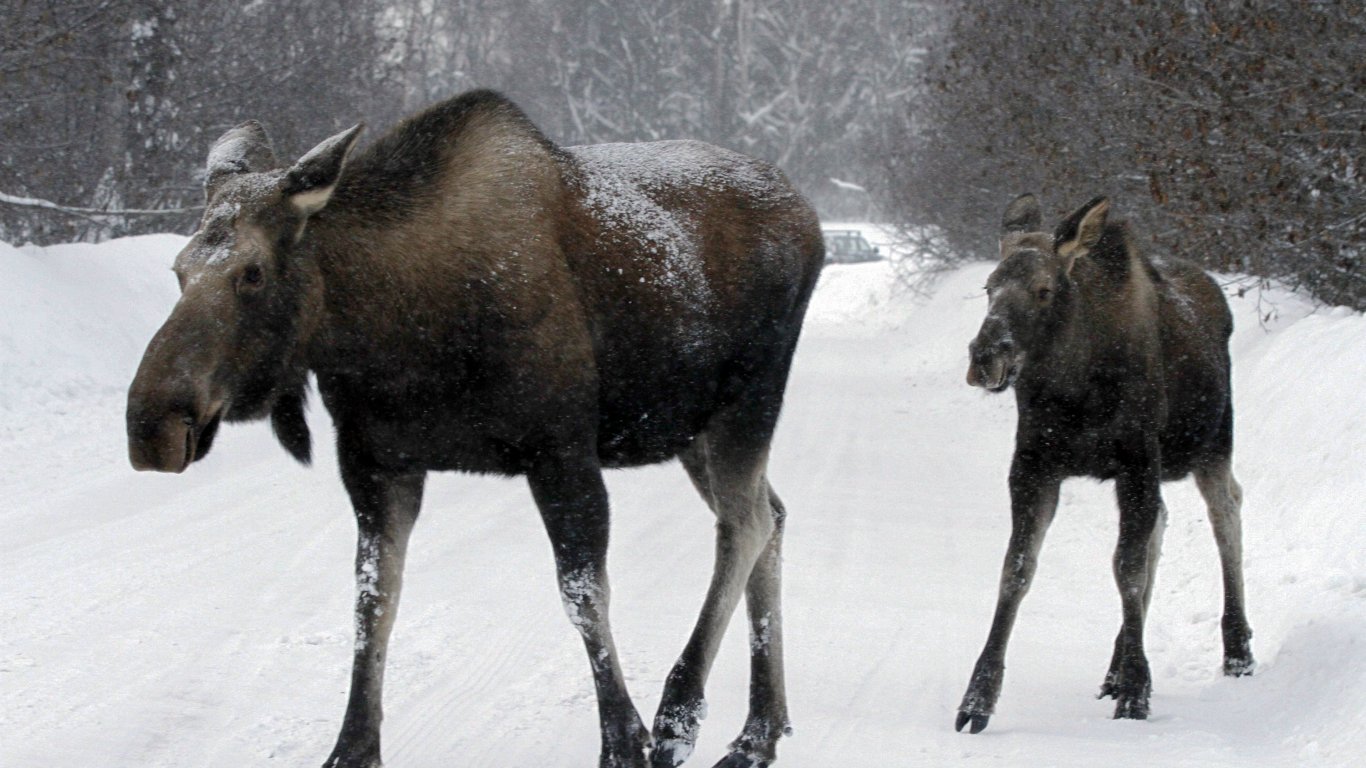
<point>847,242</point>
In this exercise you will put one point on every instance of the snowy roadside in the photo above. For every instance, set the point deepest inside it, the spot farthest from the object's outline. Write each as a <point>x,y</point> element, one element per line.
<point>203,619</point>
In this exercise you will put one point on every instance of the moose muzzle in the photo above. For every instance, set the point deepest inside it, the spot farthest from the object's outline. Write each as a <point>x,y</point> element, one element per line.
<point>160,444</point>
<point>992,362</point>
<point>173,412</point>
<point>166,439</point>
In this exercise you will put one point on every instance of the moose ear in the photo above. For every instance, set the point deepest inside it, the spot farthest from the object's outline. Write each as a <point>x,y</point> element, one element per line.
<point>244,149</point>
<point>1022,215</point>
<point>1079,233</point>
<point>310,183</point>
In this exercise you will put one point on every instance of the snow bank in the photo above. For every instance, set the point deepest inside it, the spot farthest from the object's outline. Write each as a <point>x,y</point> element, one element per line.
<point>76,315</point>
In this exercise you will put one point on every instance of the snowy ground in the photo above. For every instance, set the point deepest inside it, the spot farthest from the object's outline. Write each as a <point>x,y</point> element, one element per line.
<point>204,619</point>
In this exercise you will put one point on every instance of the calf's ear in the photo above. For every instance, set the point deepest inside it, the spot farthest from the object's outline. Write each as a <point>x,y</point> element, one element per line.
<point>309,183</point>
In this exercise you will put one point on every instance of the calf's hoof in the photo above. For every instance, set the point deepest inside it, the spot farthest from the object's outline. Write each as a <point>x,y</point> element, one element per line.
<point>1130,686</point>
<point>1131,707</point>
<point>1241,667</point>
<point>978,721</point>
<point>353,760</point>
<point>978,703</point>
<point>1110,688</point>
<point>980,699</point>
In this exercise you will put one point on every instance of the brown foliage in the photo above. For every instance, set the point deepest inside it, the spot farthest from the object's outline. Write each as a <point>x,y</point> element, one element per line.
<point>1234,135</point>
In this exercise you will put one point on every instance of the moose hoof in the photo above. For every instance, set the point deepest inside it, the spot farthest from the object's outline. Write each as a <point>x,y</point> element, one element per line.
<point>743,760</point>
<point>671,751</point>
<point>757,744</point>
<point>978,722</point>
<point>676,730</point>
<point>628,747</point>
<point>1239,667</point>
<point>1110,688</point>
<point>1131,708</point>
<point>623,760</point>
<point>352,761</point>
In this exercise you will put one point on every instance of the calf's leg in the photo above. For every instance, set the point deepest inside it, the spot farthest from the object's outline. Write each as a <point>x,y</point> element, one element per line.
<point>573,502</point>
<point>1107,688</point>
<point>733,462</point>
<point>1033,502</point>
<point>386,507</point>
<point>1140,503</point>
<point>1224,497</point>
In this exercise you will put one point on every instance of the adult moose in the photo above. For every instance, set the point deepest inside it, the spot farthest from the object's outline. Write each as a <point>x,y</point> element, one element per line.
<point>472,297</point>
<point>1120,367</point>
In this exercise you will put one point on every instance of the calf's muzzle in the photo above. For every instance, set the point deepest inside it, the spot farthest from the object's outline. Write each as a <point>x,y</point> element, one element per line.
<point>992,363</point>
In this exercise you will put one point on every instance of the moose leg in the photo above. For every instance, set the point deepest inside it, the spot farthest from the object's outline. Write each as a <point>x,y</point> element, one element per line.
<point>573,503</point>
<point>1140,502</point>
<point>757,744</point>
<point>386,508</point>
<point>1033,501</point>
<point>1224,497</point>
<point>746,526</point>
<point>1107,688</point>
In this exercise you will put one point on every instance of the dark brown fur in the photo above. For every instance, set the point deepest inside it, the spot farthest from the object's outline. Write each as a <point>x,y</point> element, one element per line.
<point>471,297</point>
<point>1121,371</point>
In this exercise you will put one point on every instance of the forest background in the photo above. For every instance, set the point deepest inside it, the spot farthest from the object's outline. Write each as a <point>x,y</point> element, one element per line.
<point>1233,134</point>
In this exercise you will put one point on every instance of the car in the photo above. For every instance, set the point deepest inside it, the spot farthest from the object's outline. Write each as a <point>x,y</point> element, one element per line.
<point>848,246</point>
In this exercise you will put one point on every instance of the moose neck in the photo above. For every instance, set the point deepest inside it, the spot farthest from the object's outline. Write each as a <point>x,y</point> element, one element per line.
<point>371,293</point>
<point>440,231</point>
<point>422,278</point>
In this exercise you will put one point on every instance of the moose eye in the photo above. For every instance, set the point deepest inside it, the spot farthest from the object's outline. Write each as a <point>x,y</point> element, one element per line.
<point>1044,293</point>
<point>252,276</point>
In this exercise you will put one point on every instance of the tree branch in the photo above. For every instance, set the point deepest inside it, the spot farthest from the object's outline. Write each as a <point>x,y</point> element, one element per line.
<point>33,202</point>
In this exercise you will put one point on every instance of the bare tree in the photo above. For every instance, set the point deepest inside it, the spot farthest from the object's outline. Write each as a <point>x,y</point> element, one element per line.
<point>1233,134</point>
<point>108,105</point>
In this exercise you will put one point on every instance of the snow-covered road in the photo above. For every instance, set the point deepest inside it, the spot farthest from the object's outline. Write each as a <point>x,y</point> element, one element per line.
<point>204,619</point>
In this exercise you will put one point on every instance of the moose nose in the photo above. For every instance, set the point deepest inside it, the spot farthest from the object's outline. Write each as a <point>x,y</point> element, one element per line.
<point>986,354</point>
<point>167,446</point>
<point>983,349</point>
<point>976,363</point>
<point>160,440</point>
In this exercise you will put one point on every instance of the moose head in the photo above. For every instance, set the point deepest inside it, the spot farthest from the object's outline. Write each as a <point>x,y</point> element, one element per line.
<point>231,348</point>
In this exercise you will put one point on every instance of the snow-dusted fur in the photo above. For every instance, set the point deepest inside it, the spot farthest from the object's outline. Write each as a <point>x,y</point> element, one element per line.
<point>471,297</point>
